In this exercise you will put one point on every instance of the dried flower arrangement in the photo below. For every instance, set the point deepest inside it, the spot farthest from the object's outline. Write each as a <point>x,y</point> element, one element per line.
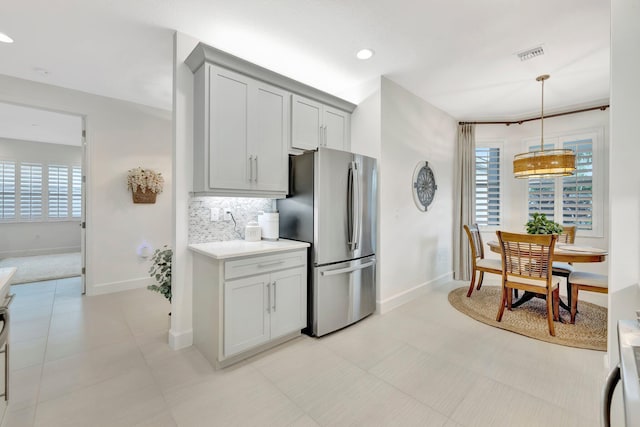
<point>145,179</point>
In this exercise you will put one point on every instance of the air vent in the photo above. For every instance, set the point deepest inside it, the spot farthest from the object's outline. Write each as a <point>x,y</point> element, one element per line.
<point>530,53</point>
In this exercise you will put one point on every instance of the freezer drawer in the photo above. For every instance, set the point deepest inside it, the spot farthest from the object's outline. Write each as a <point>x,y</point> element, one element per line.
<point>343,293</point>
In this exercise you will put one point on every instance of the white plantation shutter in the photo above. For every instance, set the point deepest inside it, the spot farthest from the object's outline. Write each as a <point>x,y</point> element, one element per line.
<point>542,192</point>
<point>76,192</point>
<point>58,191</point>
<point>7,189</point>
<point>488,186</point>
<point>30,191</point>
<point>577,190</point>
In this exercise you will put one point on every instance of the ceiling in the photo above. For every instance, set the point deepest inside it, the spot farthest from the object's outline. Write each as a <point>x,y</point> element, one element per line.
<point>34,124</point>
<point>459,55</point>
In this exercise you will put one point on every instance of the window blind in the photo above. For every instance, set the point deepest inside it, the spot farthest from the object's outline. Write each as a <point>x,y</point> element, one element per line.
<point>58,191</point>
<point>7,189</point>
<point>488,186</point>
<point>577,190</point>
<point>30,191</point>
<point>542,192</point>
<point>76,192</point>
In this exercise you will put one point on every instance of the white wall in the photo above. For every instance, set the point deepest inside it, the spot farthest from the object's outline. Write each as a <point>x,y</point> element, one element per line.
<point>181,333</point>
<point>514,200</point>
<point>39,237</point>
<point>415,247</point>
<point>120,136</point>
<point>624,180</point>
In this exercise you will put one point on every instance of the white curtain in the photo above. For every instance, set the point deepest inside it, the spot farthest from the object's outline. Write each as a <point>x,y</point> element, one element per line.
<point>464,199</point>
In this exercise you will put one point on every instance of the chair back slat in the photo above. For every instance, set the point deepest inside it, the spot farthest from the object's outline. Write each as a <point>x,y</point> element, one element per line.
<point>475,241</point>
<point>568,234</point>
<point>526,255</point>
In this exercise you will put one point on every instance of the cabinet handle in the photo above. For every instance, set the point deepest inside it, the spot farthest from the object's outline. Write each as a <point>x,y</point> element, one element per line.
<point>325,135</point>
<point>268,298</point>
<point>250,168</point>
<point>256,159</point>
<point>275,298</point>
<point>320,137</point>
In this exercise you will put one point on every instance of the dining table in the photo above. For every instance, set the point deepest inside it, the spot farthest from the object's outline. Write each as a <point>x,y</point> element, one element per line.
<point>563,252</point>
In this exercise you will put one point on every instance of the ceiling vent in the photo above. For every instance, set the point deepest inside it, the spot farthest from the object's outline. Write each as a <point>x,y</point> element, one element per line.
<point>530,53</point>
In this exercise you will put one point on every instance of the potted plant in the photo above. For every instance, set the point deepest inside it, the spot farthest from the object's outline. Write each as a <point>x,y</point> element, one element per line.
<point>160,271</point>
<point>145,184</point>
<point>539,224</point>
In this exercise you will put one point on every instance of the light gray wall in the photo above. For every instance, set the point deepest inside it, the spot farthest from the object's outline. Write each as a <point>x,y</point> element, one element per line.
<point>416,247</point>
<point>120,136</point>
<point>41,237</point>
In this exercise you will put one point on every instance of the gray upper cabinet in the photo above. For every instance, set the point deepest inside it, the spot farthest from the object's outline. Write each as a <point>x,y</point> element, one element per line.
<point>247,119</point>
<point>242,135</point>
<point>314,125</point>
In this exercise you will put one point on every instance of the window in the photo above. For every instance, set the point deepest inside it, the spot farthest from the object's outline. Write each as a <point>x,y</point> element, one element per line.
<point>7,189</point>
<point>577,190</point>
<point>542,192</point>
<point>576,199</point>
<point>30,191</point>
<point>58,191</point>
<point>488,175</point>
<point>76,192</point>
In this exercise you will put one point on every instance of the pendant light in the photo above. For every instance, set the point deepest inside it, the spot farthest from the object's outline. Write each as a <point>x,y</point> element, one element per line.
<point>544,163</point>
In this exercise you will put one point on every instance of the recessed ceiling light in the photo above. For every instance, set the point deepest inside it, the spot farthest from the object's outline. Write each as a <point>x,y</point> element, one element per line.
<point>364,54</point>
<point>5,38</point>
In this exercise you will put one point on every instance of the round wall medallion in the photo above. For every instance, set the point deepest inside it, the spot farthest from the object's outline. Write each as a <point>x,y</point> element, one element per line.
<point>424,185</point>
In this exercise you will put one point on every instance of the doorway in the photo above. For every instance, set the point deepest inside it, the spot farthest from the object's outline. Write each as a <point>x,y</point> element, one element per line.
<point>43,171</point>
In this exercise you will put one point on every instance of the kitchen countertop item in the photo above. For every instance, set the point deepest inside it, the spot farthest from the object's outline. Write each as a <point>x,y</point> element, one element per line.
<point>239,248</point>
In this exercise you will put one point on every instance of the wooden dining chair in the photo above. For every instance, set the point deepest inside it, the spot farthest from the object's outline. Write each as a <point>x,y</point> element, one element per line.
<point>526,265</point>
<point>583,281</point>
<point>478,262</point>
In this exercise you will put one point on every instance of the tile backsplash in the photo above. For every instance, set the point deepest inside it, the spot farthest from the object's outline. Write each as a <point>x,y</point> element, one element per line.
<point>202,229</point>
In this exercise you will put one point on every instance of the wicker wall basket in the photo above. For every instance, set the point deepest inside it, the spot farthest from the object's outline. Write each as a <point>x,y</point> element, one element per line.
<point>146,197</point>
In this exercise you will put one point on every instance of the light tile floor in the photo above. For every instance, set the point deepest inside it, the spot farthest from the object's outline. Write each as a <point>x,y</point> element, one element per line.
<point>104,360</point>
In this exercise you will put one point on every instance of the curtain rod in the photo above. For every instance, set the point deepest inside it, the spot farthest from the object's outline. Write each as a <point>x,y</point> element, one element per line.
<point>519,122</point>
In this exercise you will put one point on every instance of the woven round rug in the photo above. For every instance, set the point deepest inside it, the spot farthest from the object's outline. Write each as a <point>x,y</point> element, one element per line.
<point>530,319</point>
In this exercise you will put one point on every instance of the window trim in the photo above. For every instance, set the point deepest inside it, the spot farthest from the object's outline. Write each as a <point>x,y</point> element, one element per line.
<point>500,144</point>
<point>598,161</point>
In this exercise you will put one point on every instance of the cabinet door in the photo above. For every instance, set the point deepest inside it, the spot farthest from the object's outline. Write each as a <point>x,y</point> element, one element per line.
<point>306,120</point>
<point>246,316</point>
<point>337,126</point>
<point>228,124</point>
<point>269,138</point>
<point>289,301</point>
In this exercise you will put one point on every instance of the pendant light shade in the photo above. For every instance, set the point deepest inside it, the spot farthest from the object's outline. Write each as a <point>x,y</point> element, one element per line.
<point>544,163</point>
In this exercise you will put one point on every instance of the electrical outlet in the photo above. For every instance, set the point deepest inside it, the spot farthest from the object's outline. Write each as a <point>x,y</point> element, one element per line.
<point>227,215</point>
<point>215,214</point>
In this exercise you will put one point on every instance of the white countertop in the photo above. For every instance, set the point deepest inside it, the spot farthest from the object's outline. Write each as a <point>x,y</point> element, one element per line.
<point>240,248</point>
<point>5,277</point>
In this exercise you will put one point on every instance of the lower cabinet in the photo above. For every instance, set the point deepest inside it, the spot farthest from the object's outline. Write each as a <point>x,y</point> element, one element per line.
<point>246,304</point>
<point>260,308</point>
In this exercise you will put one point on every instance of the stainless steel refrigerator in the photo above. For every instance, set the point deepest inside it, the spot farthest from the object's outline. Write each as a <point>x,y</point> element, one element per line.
<point>332,205</point>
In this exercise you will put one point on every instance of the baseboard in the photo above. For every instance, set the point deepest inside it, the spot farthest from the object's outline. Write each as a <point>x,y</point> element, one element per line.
<point>410,294</point>
<point>36,252</point>
<point>180,340</point>
<point>125,285</point>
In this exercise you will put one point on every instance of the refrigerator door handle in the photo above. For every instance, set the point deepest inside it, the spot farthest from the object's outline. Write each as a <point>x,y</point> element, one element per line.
<point>607,395</point>
<point>348,269</point>
<point>358,218</point>
<point>351,229</point>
